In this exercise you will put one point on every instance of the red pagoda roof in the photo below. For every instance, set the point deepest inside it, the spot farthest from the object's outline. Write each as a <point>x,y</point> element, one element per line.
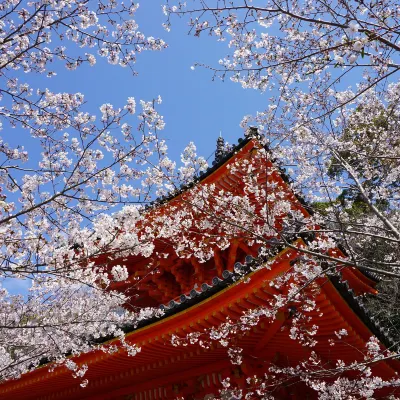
<point>170,278</point>
<point>197,297</point>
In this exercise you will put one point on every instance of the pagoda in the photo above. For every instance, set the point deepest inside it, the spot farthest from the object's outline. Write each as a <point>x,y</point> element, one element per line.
<point>198,296</point>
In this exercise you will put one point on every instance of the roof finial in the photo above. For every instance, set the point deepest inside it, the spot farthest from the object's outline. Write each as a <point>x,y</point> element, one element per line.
<point>220,151</point>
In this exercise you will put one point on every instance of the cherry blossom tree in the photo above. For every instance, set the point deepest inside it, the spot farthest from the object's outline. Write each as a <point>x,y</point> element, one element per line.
<point>305,51</point>
<point>76,166</point>
<point>339,144</point>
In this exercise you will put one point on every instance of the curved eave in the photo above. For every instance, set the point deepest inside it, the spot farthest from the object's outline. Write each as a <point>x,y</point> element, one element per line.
<point>107,371</point>
<point>356,304</point>
<point>40,381</point>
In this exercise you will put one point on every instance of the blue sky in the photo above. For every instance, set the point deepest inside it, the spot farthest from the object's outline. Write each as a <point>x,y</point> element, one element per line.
<point>194,107</point>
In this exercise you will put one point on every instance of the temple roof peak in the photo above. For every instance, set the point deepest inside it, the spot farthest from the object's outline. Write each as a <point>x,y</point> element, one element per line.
<point>220,150</point>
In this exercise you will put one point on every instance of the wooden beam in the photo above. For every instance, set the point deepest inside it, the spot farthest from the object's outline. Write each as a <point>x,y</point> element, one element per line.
<point>232,255</point>
<point>272,330</point>
<point>219,263</point>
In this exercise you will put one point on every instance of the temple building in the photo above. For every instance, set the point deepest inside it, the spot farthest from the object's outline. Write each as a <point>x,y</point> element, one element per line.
<point>197,296</point>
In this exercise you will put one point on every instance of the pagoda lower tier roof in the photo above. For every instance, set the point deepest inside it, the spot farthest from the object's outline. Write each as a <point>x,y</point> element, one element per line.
<point>164,371</point>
